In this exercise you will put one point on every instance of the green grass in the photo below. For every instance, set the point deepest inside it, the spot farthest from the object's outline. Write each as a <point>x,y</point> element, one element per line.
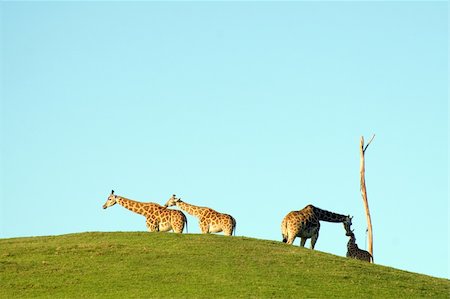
<point>161,265</point>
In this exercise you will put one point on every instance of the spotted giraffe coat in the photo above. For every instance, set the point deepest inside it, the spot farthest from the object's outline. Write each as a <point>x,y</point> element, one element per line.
<point>158,218</point>
<point>354,252</point>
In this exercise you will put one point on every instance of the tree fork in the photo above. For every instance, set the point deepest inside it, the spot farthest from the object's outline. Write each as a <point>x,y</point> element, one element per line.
<point>364,193</point>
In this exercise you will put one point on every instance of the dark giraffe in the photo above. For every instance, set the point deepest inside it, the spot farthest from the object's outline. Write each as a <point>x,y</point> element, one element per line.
<point>353,250</point>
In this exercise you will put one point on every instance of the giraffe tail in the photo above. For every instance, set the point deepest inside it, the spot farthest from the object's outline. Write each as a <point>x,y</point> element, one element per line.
<point>284,231</point>
<point>234,226</point>
<point>185,222</point>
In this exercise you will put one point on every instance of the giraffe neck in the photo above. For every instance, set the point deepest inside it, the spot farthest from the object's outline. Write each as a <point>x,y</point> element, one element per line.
<point>190,209</point>
<point>132,205</point>
<point>329,216</point>
<point>352,244</point>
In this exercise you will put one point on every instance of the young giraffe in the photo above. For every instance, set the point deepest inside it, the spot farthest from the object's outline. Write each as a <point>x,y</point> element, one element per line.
<point>305,224</point>
<point>353,250</point>
<point>159,218</point>
<point>210,220</point>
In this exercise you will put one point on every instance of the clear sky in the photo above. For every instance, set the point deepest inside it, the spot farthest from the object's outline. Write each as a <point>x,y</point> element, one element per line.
<point>251,108</point>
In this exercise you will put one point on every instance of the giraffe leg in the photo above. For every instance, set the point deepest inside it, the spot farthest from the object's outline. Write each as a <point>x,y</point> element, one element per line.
<point>290,239</point>
<point>228,231</point>
<point>204,227</point>
<point>314,239</point>
<point>228,225</point>
<point>152,226</point>
<point>179,222</point>
<point>178,229</point>
<point>303,241</point>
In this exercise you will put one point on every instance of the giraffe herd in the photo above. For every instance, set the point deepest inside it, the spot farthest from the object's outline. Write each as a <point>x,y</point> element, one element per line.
<point>304,223</point>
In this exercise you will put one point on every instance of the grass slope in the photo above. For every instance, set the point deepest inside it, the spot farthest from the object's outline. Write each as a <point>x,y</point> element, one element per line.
<point>135,264</point>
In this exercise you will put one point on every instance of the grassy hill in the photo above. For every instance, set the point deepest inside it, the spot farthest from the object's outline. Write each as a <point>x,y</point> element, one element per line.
<point>144,265</point>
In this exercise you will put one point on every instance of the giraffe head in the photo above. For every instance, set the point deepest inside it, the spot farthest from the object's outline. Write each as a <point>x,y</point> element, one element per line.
<point>112,200</point>
<point>172,201</point>
<point>347,225</point>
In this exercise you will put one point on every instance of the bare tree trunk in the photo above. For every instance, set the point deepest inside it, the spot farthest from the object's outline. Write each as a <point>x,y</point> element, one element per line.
<point>364,193</point>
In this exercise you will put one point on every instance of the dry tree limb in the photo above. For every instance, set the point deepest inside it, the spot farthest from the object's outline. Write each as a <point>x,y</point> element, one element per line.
<point>364,193</point>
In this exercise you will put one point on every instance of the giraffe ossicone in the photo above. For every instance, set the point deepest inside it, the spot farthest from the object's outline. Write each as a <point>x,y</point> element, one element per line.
<point>210,221</point>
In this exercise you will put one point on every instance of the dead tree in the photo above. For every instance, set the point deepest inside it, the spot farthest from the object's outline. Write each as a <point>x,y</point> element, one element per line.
<point>364,194</point>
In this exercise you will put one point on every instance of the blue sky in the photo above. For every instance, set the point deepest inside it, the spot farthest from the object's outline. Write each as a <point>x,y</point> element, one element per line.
<point>251,108</point>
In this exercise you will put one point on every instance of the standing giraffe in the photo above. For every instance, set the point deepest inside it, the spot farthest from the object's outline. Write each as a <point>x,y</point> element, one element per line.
<point>159,218</point>
<point>210,220</point>
<point>305,224</point>
<point>353,250</point>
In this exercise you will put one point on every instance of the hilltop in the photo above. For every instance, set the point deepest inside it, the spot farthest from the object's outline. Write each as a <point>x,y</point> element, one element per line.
<point>155,265</point>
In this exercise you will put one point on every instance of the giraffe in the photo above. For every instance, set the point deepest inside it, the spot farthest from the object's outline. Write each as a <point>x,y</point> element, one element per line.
<point>210,220</point>
<point>353,250</point>
<point>305,224</point>
<point>158,218</point>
